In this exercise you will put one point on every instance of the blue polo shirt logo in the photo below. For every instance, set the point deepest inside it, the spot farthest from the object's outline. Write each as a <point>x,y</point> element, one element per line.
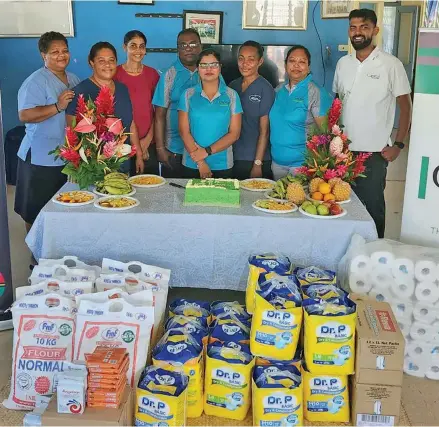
<point>255,98</point>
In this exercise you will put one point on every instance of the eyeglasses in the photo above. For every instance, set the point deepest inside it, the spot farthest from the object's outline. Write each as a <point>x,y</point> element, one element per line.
<point>191,45</point>
<point>206,65</point>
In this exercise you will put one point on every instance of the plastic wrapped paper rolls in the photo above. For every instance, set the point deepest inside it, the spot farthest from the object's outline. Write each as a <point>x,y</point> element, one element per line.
<point>425,270</point>
<point>403,267</point>
<point>403,288</point>
<point>427,292</point>
<point>359,283</point>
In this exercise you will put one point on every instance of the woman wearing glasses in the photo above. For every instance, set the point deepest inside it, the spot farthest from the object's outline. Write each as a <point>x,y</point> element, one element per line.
<point>42,100</point>
<point>299,104</point>
<point>103,61</point>
<point>209,122</point>
<point>141,82</point>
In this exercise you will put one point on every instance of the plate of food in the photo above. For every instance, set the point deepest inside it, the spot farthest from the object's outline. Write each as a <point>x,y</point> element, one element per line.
<point>272,196</point>
<point>257,184</point>
<point>325,210</point>
<point>308,197</point>
<point>74,198</point>
<point>147,181</point>
<point>274,207</point>
<point>116,203</point>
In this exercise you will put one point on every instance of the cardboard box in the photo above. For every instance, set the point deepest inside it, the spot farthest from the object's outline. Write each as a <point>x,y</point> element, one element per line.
<point>378,405</point>
<point>380,345</point>
<point>123,416</point>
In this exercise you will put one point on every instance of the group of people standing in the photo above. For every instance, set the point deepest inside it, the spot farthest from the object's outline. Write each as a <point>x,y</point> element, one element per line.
<point>188,123</point>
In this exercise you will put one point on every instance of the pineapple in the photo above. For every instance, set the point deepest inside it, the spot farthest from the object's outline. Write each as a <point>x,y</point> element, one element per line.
<point>296,193</point>
<point>341,191</point>
<point>334,181</point>
<point>314,185</point>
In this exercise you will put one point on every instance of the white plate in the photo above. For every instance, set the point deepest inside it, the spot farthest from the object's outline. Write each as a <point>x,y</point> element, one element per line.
<point>97,205</point>
<point>242,184</point>
<point>294,209</point>
<point>74,204</point>
<point>147,186</point>
<point>106,195</point>
<point>322,216</point>
<point>267,195</point>
<point>308,197</point>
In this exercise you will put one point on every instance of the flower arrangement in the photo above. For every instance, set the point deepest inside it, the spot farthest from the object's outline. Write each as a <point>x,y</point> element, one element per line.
<point>327,152</point>
<point>95,143</point>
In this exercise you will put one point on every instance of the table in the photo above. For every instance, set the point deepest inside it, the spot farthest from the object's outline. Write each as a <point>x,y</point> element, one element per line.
<point>205,247</point>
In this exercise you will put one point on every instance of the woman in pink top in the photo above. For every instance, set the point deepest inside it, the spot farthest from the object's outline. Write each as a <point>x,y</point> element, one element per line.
<point>141,81</point>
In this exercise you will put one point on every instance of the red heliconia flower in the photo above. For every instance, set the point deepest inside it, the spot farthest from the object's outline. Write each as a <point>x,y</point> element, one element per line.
<point>133,150</point>
<point>334,113</point>
<point>81,108</point>
<point>101,127</point>
<point>104,102</point>
<point>71,138</point>
<point>70,155</point>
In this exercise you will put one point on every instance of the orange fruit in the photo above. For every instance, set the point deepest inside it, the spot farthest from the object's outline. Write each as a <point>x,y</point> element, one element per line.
<point>328,197</point>
<point>324,188</point>
<point>317,196</point>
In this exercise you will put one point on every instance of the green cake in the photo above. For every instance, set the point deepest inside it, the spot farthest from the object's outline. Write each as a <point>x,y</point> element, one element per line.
<point>213,192</point>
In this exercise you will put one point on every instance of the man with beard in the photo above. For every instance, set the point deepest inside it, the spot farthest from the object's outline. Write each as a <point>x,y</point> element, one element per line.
<point>173,82</point>
<point>370,82</point>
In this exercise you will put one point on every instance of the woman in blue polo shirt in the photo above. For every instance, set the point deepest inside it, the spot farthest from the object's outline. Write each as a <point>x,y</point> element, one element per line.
<point>209,120</point>
<point>299,104</point>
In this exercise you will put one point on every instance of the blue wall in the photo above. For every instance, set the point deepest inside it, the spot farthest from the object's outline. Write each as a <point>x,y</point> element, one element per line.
<point>107,20</point>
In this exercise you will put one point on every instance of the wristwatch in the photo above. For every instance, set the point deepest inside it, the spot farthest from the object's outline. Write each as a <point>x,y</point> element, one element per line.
<point>258,163</point>
<point>208,150</point>
<point>400,145</point>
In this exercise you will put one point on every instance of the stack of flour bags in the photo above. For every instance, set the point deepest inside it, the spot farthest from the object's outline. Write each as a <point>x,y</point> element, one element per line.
<point>407,277</point>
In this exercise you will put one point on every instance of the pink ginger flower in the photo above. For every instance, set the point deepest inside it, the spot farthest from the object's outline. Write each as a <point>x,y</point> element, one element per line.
<point>341,170</point>
<point>336,146</point>
<point>336,130</point>
<point>329,174</point>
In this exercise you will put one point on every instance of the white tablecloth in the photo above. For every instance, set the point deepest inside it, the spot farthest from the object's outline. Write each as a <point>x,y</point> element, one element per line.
<point>205,247</point>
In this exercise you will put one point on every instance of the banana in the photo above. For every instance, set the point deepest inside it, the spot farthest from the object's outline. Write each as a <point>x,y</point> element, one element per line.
<point>114,174</point>
<point>115,190</point>
<point>291,178</point>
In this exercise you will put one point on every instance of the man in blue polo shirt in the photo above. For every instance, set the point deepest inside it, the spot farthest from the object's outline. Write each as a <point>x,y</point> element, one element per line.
<point>173,82</point>
<point>251,154</point>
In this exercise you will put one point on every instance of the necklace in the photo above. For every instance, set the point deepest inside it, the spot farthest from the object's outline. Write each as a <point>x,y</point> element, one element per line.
<point>110,85</point>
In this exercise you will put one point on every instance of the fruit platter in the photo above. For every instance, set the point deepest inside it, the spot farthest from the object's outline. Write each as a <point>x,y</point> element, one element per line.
<point>74,198</point>
<point>257,184</point>
<point>322,210</point>
<point>333,190</point>
<point>116,203</point>
<point>274,207</point>
<point>147,181</point>
<point>114,183</point>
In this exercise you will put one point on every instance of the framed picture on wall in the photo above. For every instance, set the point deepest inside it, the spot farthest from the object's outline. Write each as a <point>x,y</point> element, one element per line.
<point>336,9</point>
<point>274,14</point>
<point>209,24</point>
<point>149,2</point>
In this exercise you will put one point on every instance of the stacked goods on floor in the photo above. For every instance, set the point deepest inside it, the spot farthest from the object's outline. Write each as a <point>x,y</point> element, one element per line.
<point>58,319</point>
<point>71,389</point>
<point>407,277</point>
<point>213,192</point>
<point>107,377</point>
<point>377,384</point>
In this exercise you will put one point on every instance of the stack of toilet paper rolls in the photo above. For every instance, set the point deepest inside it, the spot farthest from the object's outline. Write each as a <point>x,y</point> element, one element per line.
<point>407,277</point>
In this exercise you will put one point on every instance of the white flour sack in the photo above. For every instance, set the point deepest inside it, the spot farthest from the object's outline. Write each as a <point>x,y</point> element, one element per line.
<point>115,319</point>
<point>71,262</point>
<point>44,329</point>
<point>61,272</point>
<point>65,289</point>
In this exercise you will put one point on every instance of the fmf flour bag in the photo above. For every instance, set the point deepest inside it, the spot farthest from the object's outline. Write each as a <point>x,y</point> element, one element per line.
<point>277,319</point>
<point>330,335</point>
<point>115,321</point>
<point>277,396</point>
<point>161,398</point>
<point>65,289</point>
<point>71,262</point>
<point>325,397</point>
<point>61,272</point>
<point>44,329</point>
<point>227,387</point>
<point>263,263</point>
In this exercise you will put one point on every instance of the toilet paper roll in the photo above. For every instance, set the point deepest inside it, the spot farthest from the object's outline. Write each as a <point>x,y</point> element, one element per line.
<point>420,332</point>
<point>382,259</point>
<point>424,313</point>
<point>402,310</point>
<point>359,283</point>
<point>403,267</point>
<point>418,350</point>
<point>381,295</point>
<point>432,371</point>
<point>427,292</point>
<point>403,287</point>
<point>381,278</point>
<point>413,367</point>
<point>425,270</point>
<point>360,264</point>
<point>404,325</point>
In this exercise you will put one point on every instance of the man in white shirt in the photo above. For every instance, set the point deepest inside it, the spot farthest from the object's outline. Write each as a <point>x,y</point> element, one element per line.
<point>370,82</point>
